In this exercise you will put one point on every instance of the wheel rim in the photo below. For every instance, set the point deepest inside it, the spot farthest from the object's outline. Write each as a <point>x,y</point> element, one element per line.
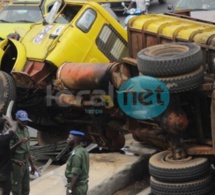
<point>169,158</point>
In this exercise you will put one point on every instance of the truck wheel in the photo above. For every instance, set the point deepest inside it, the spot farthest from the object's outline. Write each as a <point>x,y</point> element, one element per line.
<point>162,1</point>
<point>164,168</point>
<point>184,82</point>
<point>169,59</point>
<point>8,90</point>
<point>197,187</point>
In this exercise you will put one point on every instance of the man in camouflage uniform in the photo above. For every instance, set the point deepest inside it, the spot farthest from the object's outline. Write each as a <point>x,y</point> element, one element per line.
<point>20,154</point>
<point>77,170</point>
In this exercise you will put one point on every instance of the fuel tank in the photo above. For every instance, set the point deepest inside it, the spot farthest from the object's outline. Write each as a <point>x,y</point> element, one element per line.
<point>77,76</point>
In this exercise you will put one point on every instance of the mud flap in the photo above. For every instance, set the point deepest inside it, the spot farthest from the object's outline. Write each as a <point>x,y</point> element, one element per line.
<point>2,45</point>
<point>21,55</point>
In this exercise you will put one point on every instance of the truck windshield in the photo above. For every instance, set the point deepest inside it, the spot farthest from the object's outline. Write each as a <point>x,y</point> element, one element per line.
<point>15,14</point>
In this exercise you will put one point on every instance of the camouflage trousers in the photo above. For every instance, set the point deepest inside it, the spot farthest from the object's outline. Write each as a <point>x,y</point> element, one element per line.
<point>20,179</point>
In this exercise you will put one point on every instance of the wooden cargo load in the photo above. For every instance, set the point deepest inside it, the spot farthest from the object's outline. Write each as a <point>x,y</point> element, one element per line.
<point>153,29</point>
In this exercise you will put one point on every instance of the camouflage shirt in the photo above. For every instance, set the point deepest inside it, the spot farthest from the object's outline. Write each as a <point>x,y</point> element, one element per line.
<point>78,164</point>
<point>24,148</point>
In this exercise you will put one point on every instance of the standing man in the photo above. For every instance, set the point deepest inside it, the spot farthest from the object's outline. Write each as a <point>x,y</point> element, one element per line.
<point>140,5</point>
<point>77,170</point>
<point>20,152</point>
<point>5,158</point>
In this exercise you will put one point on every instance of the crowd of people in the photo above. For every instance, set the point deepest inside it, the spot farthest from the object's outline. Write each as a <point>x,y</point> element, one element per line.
<point>15,158</point>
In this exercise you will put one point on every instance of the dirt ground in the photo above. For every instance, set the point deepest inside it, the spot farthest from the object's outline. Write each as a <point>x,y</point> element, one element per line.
<point>134,188</point>
<point>120,170</point>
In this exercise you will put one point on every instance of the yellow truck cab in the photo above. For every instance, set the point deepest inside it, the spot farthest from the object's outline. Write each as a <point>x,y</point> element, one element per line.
<point>22,13</point>
<point>73,31</point>
<point>77,45</point>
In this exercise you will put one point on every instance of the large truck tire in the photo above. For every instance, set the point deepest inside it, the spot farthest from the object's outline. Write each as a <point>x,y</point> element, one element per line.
<point>169,59</point>
<point>198,187</point>
<point>184,82</point>
<point>8,90</point>
<point>164,168</point>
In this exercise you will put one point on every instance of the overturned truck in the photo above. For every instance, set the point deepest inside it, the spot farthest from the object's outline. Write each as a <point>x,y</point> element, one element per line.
<point>62,91</point>
<point>186,127</point>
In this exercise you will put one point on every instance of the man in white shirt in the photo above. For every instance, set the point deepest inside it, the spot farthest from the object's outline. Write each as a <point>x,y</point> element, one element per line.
<point>140,5</point>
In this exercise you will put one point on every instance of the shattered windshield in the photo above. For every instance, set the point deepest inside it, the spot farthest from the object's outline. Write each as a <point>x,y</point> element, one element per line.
<point>23,14</point>
<point>195,5</point>
<point>51,15</point>
<point>68,14</point>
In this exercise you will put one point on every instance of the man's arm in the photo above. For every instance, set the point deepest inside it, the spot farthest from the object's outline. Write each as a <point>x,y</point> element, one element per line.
<point>17,144</point>
<point>74,180</point>
<point>76,170</point>
<point>131,4</point>
<point>33,169</point>
<point>12,124</point>
<point>18,162</point>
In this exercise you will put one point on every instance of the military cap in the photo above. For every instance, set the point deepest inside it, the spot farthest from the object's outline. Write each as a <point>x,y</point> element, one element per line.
<point>77,133</point>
